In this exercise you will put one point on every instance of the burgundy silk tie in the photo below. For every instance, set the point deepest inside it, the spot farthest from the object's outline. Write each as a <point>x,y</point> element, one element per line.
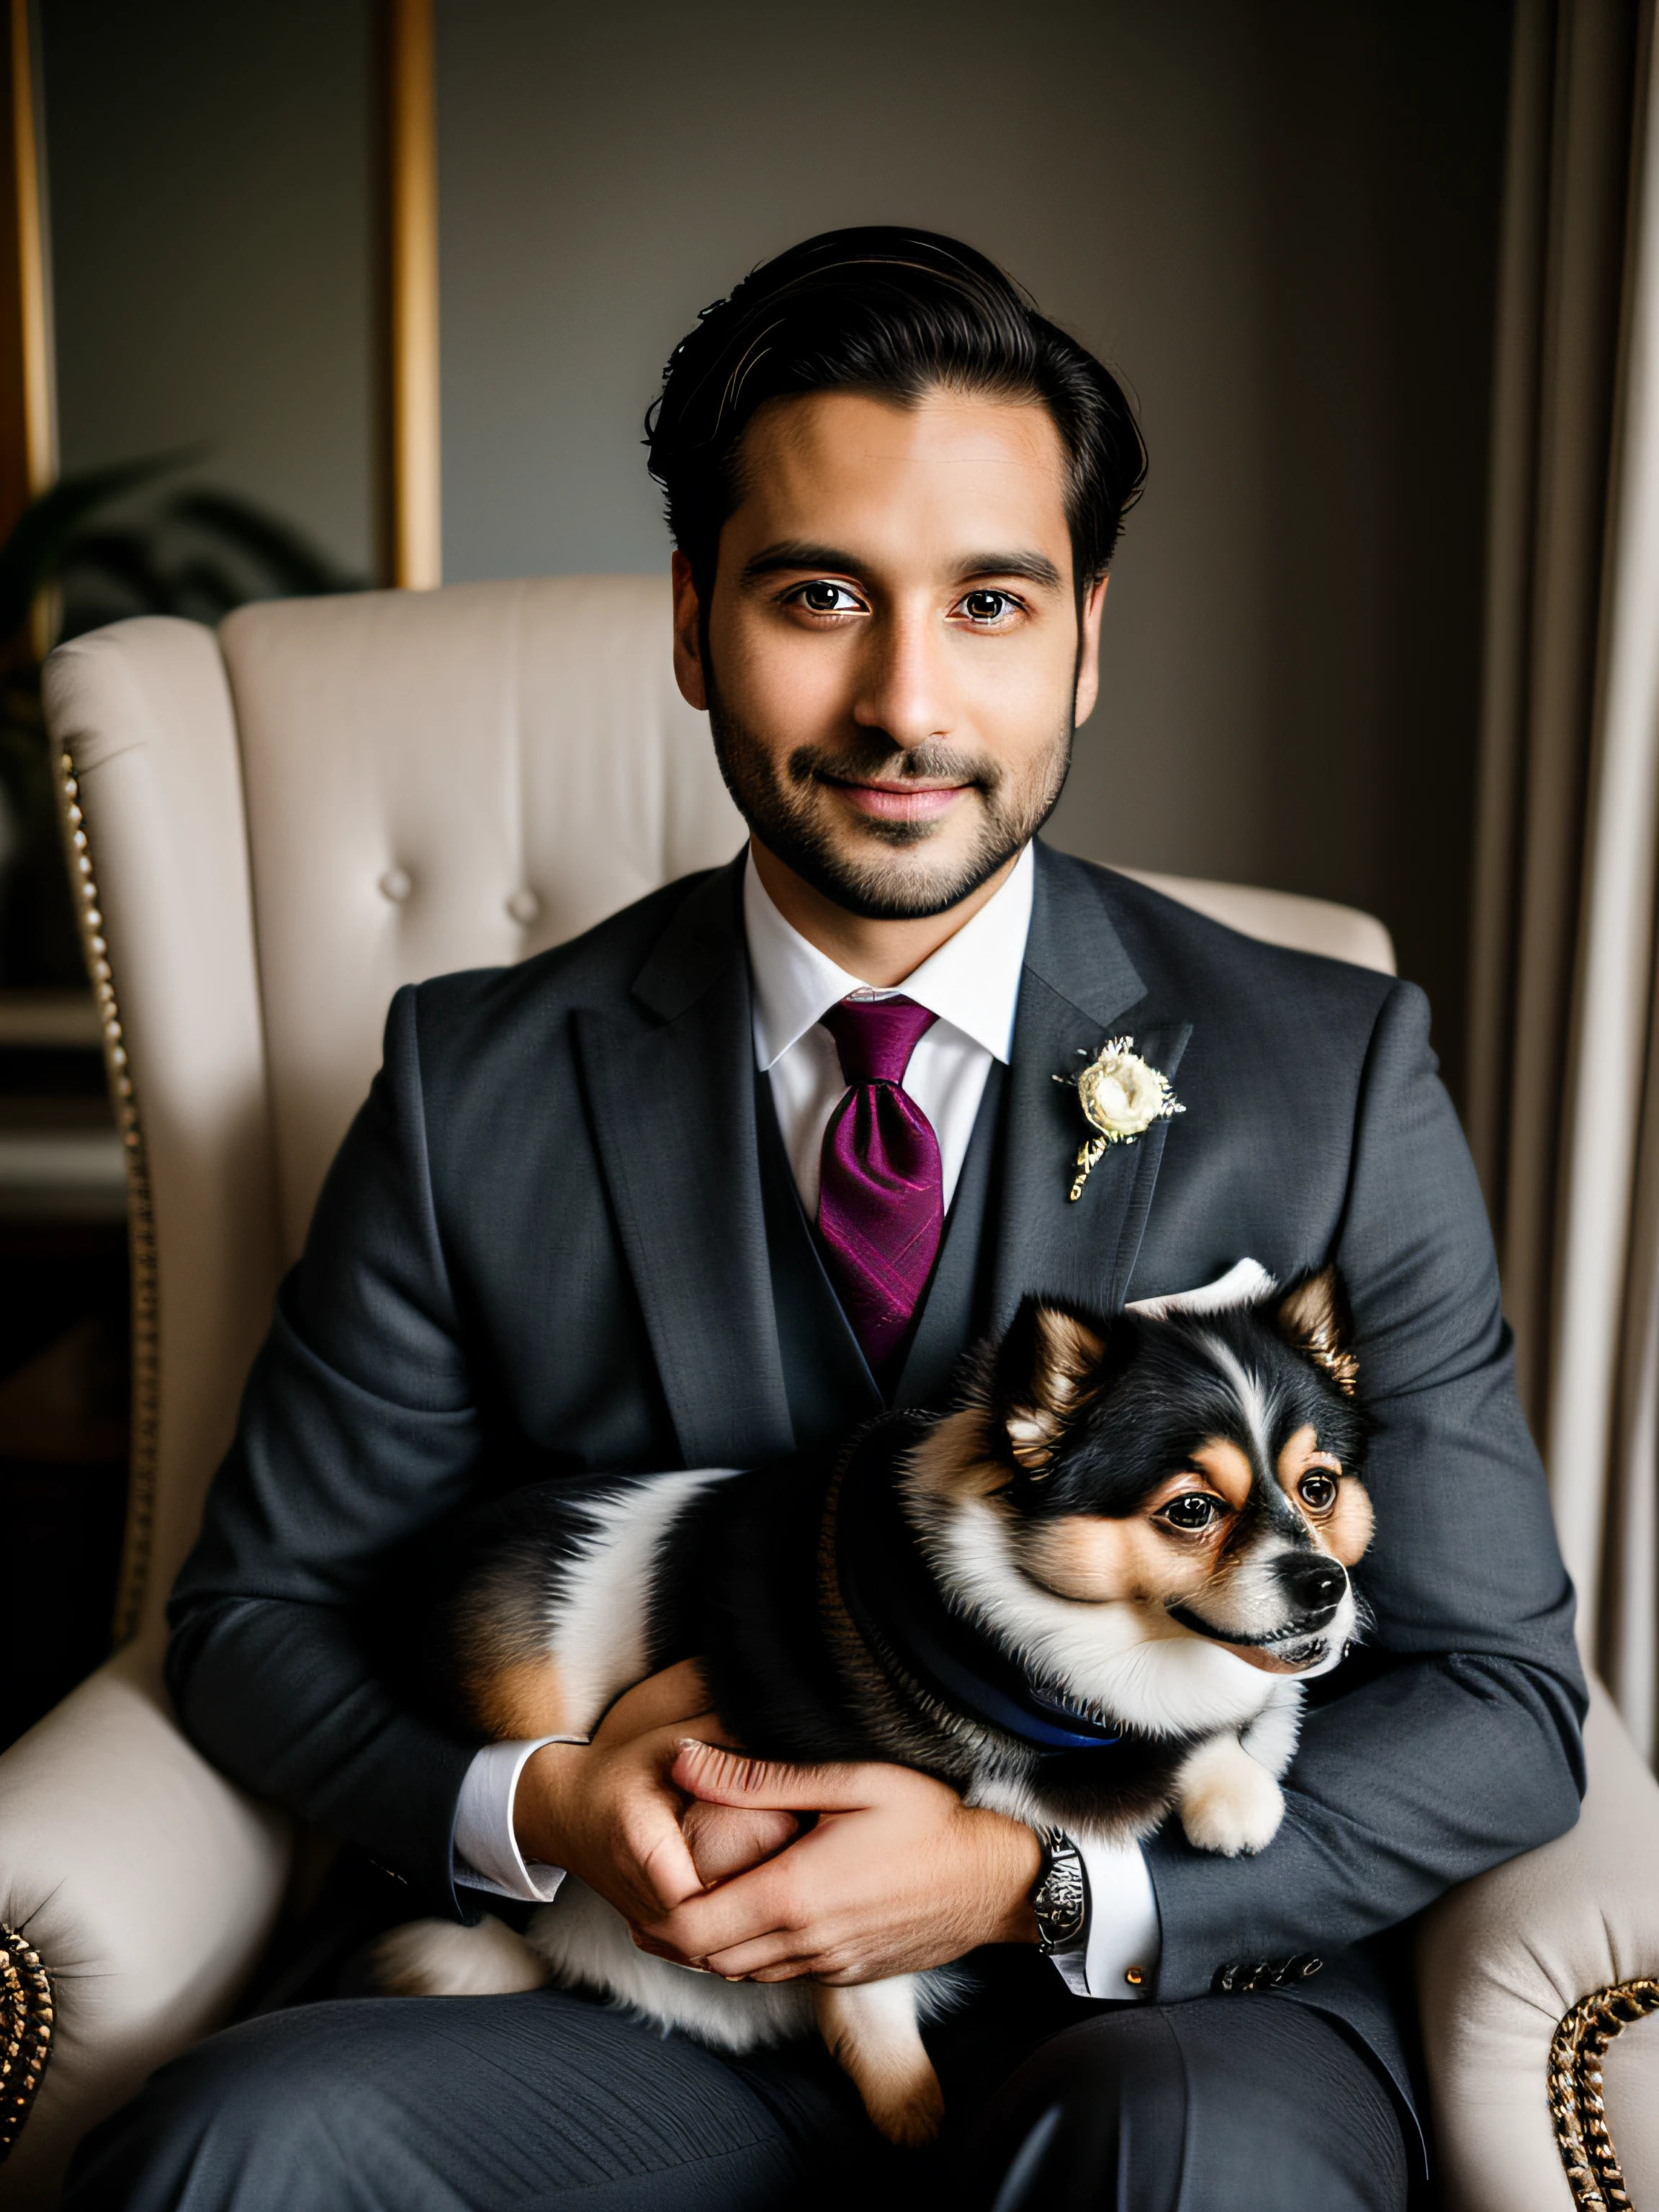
<point>881,1190</point>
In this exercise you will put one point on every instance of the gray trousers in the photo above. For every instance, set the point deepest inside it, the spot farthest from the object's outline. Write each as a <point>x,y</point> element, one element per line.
<point>515,2104</point>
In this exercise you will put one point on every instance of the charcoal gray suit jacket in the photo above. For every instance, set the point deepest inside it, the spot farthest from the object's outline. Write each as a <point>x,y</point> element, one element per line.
<point>541,1253</point>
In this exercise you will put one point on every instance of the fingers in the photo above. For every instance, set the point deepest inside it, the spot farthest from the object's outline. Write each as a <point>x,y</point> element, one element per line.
<point>723,1776</point>
<point>779,1957</point>
<point>727,1839</point>
<point>782,1954</point>
<point>722,1846</point>
<point>749,1907</point>
<point>666,1871</point>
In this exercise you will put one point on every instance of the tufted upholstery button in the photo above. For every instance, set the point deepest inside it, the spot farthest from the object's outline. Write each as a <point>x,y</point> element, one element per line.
<point>524,906</point>
<point>396,884</point>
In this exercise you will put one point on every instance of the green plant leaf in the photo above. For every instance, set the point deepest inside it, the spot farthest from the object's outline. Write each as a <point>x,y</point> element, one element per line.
<point>123,559</point>
<point>31,556</point>
<point>297,567</point>
<point>204,590</point>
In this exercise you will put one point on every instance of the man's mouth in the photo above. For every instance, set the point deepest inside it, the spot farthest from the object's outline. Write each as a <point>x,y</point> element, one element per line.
<point>899,802</point>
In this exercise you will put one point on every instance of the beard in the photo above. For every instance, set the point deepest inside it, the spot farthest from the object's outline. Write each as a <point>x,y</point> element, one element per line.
<point>787,812</point>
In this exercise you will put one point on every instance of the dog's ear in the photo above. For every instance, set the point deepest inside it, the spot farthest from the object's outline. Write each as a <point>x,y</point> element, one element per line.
<point>1313,1318</point>
<point>1043,1379</point>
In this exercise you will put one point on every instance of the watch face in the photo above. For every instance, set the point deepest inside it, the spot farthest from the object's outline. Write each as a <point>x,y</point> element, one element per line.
<point>1061,1897</point>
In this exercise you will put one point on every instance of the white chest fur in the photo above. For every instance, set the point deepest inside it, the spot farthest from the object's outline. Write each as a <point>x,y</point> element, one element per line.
<point>598,1630</point>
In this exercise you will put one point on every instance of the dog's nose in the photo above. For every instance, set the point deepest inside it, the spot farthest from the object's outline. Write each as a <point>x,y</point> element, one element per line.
<point>1313,1585</point>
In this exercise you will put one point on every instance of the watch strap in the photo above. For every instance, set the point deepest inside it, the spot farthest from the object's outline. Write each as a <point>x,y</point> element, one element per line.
<point>1059,1898</point>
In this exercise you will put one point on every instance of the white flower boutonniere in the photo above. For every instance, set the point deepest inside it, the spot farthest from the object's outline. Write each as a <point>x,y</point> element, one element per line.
<point>1121,1096</point>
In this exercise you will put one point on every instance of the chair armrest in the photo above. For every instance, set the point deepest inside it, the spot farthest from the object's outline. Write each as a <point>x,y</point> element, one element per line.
<point>1504,1960</point>
<point>147,1884</point>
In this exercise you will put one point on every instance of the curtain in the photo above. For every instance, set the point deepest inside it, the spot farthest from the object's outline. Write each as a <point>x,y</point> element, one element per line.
<point>1563,1106</point>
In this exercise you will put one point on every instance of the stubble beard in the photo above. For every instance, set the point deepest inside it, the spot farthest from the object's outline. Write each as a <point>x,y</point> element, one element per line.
<point>779,811</point>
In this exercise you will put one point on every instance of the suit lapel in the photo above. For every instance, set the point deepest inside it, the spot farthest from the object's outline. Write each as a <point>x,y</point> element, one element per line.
<point>1080,987</point>
<point>672,1092</point>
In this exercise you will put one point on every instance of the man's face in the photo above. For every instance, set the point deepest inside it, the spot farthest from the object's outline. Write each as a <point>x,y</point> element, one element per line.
<point>893,661</point>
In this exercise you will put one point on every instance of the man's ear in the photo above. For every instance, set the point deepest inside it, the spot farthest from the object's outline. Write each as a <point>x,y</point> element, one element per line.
<point>1043,1379</point>
<point>1314,1319</point>
<point>1087,651</point>
<point>688,636</point>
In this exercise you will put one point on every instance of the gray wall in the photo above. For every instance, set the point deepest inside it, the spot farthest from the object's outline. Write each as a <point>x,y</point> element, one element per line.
<point>1276,217</point>
<point>1278,221</point>
<point>210,170</point>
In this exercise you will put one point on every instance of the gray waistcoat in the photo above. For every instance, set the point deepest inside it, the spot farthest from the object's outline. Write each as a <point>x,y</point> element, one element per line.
<point>829,1385</point>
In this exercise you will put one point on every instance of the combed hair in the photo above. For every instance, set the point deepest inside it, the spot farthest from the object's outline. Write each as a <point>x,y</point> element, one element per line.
<point>896,314</point>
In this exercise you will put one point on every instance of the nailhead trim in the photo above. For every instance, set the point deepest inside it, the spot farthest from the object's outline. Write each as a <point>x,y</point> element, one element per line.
<point>141,1219</point>
<point>1577,2050</point>
<point>26,2025</point>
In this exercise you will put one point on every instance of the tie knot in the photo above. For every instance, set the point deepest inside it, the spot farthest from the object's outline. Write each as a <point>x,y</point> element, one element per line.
<point>876,1037</point>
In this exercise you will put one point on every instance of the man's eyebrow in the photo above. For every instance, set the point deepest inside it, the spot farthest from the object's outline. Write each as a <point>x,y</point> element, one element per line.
<point>796,553</point>
<point>1035,568</point>
<point>792,554</point>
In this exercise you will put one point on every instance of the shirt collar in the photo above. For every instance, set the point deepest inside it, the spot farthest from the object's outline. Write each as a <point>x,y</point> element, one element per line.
<point>972,982</point>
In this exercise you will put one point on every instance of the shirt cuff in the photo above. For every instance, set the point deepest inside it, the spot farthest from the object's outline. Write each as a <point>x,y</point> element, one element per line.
<point>1119,1954</point>
<point>484,1851</point>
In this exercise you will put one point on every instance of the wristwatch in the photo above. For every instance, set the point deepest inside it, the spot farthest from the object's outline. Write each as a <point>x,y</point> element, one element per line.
<point>1060,1898</point>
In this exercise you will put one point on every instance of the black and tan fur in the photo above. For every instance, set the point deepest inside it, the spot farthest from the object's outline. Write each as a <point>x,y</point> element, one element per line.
<point>1150,1518</point>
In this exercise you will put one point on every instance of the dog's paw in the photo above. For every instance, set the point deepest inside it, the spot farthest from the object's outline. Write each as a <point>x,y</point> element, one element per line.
<point>908,2113</point>
<point>438,1959</point>
<point>870,2028</point>
<point>1228,1804</point>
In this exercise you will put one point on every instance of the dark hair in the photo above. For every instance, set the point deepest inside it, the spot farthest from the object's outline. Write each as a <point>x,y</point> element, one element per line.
<point>892,311</point>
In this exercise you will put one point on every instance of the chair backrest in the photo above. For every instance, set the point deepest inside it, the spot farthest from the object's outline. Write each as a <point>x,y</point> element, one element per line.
<point>447,780</point>
<point>283,820</point>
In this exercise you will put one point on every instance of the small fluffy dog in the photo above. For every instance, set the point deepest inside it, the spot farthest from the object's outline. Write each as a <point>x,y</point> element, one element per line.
<point>1087,1595</point>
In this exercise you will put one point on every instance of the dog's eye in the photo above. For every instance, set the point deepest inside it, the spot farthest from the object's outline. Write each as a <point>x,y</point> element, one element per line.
<point>1191,1513</point>
<point>1318,1491</point>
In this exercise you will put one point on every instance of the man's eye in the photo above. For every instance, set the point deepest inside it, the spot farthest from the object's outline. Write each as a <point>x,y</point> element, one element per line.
<point>1190,1513</point>
<point>1318,1492</point>
<point>986,607</point>
<point>824,598</point>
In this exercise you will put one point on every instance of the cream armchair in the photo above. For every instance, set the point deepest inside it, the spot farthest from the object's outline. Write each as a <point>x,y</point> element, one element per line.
<point>271,829</point>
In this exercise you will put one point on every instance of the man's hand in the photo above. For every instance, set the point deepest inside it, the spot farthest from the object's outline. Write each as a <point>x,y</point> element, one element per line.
<point>608,1812</point>
<point>896,1875</point>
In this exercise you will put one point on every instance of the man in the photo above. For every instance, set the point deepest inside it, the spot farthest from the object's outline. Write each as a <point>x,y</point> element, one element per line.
<point>712,1184</point>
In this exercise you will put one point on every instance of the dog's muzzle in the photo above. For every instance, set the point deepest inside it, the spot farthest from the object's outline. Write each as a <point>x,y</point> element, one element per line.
<point>1305,1628</point>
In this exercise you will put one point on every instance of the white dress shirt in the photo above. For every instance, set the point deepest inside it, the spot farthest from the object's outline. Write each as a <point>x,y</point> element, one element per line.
<point>972,985</point>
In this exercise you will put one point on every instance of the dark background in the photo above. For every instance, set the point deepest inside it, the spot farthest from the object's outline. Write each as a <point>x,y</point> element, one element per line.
<point>1279,221</point>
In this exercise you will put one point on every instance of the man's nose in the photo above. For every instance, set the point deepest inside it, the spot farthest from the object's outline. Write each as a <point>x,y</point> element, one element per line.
<point>904,682</point>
